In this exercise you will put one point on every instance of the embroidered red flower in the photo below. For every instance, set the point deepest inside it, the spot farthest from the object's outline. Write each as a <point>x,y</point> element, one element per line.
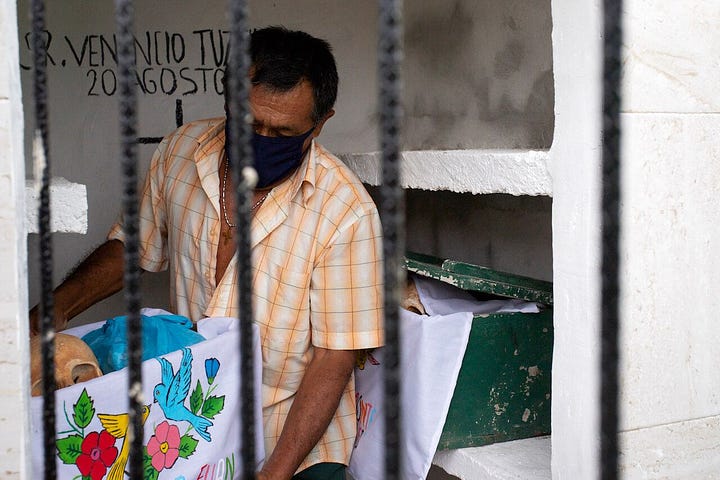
<point>98,453</point>
<point>164,446</point>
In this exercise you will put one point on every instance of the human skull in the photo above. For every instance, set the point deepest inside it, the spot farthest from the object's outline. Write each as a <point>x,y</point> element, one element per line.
<point>75,362</point>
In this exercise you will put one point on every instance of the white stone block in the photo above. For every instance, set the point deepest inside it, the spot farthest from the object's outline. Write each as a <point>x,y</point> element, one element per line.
<point>68,207</point>
<point>6,147</point>
<point>6,43</point>
<point>671,56</point>
<point>515,172</point>
<point>679,451</point>
<point>517,460</point>
<point>670,269</point>
<point>575,154</point>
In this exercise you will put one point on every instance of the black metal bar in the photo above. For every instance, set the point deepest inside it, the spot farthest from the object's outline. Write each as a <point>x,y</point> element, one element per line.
<point>612,67</point>
<point>393,217</point>
<point>47,327</point>
<point>124,13</point>
<point>239,155</point>
<point>178,113</point>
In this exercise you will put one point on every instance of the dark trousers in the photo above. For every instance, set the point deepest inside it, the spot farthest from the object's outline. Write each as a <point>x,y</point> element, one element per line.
<point>322,471</point>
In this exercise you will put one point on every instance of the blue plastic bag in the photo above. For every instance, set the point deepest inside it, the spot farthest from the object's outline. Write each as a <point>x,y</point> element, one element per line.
<point>161,334</point>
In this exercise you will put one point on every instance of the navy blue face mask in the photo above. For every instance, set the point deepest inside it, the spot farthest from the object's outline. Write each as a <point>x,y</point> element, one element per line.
<point>277,157</point>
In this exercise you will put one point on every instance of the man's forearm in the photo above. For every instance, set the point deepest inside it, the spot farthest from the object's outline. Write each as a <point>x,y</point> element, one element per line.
<point>315,404</point>
<point>97,277</point>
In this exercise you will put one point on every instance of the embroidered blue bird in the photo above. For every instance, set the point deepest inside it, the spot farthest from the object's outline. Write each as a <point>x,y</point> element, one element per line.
<point>172,392</point>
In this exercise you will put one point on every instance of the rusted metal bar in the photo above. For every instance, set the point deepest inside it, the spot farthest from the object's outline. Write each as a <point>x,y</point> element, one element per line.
<point>240,157</point>
<point>124,17</point>
<point>392,212</point>
<point>42,155</point>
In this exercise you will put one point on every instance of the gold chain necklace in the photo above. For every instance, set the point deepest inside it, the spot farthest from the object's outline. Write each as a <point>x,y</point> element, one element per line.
<point>222,202</point>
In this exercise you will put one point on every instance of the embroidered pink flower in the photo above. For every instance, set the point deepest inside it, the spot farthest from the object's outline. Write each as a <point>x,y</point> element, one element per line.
<point>163,447</point>
<point>98,453</point>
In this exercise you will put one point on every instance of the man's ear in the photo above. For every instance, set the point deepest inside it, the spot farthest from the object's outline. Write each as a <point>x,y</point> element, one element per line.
<point>318,128</point>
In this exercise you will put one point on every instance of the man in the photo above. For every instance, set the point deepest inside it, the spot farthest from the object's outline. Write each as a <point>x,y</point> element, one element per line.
<point>316,252</point>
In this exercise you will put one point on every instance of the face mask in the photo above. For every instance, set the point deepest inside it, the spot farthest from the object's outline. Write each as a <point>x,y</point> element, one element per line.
<point>276,157</point>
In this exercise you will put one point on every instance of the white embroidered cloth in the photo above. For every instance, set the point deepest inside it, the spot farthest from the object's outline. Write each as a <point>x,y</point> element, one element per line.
<point>432,349</point>
<point>192,427</point>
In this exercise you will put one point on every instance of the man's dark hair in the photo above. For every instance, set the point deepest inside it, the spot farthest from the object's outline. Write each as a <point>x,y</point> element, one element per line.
<point>282,58</point>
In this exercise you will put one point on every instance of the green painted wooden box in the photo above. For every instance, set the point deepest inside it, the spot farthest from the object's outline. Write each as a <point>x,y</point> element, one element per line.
<point>503,388</point>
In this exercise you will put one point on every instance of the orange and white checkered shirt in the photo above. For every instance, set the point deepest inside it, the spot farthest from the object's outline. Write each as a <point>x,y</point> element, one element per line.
<point>316,260</point>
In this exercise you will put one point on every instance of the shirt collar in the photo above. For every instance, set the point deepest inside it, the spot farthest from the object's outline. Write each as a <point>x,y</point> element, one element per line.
<point>212,142</point>
<point>304,177</point>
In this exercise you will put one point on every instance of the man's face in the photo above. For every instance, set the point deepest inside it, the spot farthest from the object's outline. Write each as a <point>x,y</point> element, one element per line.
<point>284,114</point>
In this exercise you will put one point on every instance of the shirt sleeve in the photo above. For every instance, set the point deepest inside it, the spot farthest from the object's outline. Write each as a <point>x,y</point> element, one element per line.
<point>346,294</point>
<point>152,217</point>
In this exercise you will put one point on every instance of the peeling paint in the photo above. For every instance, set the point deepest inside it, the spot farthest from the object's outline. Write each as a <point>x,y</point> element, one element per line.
<point>500,408</point>
<point>526,415</point>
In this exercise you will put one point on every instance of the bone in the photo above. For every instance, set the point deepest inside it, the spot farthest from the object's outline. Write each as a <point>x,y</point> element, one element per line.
<point>75,362</point>
<point>411,299</point>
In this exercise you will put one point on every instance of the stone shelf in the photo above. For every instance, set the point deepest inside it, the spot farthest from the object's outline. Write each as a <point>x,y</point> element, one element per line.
<point>528,458</point>
<point>514,172</point>
<point>68,207</point>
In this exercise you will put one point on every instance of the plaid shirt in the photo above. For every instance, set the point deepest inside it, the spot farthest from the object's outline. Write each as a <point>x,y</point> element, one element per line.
<point>316,260</point>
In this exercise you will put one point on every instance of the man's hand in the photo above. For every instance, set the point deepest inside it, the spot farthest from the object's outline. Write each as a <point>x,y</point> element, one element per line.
<point>315,404</point>
<point>60,320</point>
<point>97,277</point>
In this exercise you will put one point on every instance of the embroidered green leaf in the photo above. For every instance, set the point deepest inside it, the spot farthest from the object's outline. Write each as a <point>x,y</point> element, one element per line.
<point>149,471</point>
<point>187,446</point>
<point>196,398</point>
<point>83,410</point>
<point>69,448</point>
<point>212,406</point>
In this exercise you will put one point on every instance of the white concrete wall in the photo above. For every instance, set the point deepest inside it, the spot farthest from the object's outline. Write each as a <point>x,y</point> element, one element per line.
<point>670,388</point>
<point>14,362</point>
<point>478,75</point>
<point>575,164</point>
<point>669,383</point>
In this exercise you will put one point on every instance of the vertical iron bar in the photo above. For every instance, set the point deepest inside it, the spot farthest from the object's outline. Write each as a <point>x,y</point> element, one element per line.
<point>610,239</point>
<point>124,13</point>
<point>393,217</point>
<point>47,328</point>
<point>240,157</point>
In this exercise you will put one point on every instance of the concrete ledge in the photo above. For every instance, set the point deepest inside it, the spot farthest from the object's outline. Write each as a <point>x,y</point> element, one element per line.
<point>68,207</point>
<point>515,172</point>
<point>517,460</point>
<point>688,450</point>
